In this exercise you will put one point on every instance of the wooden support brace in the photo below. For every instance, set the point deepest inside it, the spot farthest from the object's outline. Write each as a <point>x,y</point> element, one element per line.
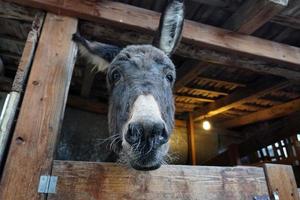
<point>33,144</point>
<point>240,97</point>
<point>19,84</point>
<point>263,115</point>
<point>214,40</point>
<point>191,137</point>
<point>253,14</point>
<point>281,179</point>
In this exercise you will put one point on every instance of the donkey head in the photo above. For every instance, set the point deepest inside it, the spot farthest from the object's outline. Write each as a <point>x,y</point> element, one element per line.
<point>140,80</point>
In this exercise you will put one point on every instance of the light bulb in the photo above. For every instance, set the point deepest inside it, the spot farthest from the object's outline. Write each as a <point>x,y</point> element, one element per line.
<point>206,125</point>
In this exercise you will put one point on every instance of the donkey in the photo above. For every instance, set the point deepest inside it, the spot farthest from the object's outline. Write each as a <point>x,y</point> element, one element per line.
<point>140,79</point>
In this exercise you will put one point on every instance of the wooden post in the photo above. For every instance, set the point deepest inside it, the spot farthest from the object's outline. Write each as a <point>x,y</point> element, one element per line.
<point>33,144</point>
<point>191,136</point>
<point>281,179</point>
<point>19,84</point>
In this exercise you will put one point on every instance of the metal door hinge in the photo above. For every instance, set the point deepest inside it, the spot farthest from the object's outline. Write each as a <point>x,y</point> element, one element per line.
<point>47,184</point>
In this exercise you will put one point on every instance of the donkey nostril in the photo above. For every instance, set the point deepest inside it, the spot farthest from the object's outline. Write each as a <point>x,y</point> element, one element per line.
<point>160,134</point>
<point>134,133</point>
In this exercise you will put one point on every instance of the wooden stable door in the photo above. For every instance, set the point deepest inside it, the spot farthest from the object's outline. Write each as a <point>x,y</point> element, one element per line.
<point>97,181</point>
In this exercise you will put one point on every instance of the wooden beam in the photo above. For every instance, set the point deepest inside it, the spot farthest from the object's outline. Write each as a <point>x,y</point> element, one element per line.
<point>18,85</point>
<point>200,90</point>
<point>125,36</point>
<point>223,82</point>
<point>96,181</point>
<point>191,137</point>
<point>194,98</point>
<point>263,115</point>
<point>239,97</point>
<point>33,144</point>
<point>253,14</point>
<point>189,70</point>
<point>195,34</point>
<point>289,21</point>
<point>290,16</point>
<point>281,179</point>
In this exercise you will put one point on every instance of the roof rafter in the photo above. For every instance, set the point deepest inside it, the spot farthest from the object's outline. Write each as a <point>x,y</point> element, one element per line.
<point>195,34</point>
<point>263,115</point>
<point>239,97</point>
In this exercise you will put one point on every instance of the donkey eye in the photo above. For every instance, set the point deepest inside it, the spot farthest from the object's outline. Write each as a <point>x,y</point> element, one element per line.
<point>115,76</point>
<point>170,78</point>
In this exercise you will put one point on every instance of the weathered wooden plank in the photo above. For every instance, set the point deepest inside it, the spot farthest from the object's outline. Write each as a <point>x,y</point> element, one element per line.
<point>191,137</point>
<point>291,22</point>
<point>80,180</point>
<point>33,144</point>
<point>18,85</point>
<point>281,179</point>
<point>126,36</point>
<point>290,16</point>
<point>263,115</point>
<point>253,14</point>
<point>239,97</point>
<point>196,34</point>
<point>203,91</point>
<point>196,99</point>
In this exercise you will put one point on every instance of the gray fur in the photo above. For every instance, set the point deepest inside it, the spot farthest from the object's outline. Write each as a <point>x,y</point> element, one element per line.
<point>141,70</point>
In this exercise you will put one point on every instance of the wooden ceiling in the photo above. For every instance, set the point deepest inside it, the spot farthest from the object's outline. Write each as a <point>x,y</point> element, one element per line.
<point>234,78</point>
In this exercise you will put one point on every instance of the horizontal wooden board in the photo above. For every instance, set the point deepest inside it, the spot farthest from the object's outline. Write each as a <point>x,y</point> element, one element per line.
<point>194,33</point>
<point>95,181</point>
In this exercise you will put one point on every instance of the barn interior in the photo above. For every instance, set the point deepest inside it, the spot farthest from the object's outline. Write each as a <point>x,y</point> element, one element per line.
<point>249,95</point>
<point>253,113</point>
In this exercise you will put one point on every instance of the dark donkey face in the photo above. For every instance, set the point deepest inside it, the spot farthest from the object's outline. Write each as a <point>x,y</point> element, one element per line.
<point>140,80</point>
<point>141,105</point>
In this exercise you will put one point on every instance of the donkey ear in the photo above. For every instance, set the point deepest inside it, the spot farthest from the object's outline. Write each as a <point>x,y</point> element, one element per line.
<point>170,27</point>
<point>96,53</point>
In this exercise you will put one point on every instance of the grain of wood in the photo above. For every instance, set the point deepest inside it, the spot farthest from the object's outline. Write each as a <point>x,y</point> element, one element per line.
<point>253,14</point>
<point>281,179</point>
<point>191,137</point>
<point>33,144</point>
<point>18,85</point>
<point>95,181</point>
<point>125,36</point>
<point>263,115</point>
<point>240,97</point>
<point>195,34</point>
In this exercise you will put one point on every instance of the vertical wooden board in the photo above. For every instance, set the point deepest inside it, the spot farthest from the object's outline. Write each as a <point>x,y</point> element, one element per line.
<point>95,181</point>
<point>32,148</point>
<point>191,138</point>
<point>281,179</point>
<point>19,83</point>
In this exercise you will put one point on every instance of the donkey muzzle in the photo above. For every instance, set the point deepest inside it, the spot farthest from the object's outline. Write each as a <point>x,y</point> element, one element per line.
<point>146,136</point>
